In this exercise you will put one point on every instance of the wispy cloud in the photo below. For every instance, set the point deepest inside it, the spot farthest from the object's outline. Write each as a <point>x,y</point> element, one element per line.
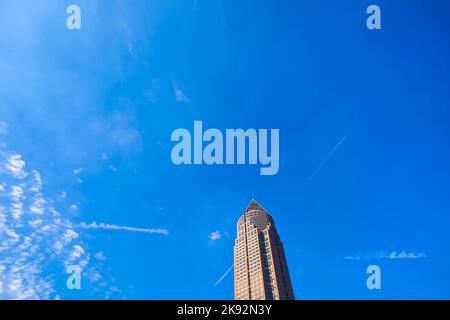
<point>119,132</point>
<point>352,258</point>
<point>406,255</point>
<point>330,154</point>
<point>33,234</point>
<point>179,94</point>
<point>389,255</point>
<point>106,226</point>
<point>3,127</point>
<point>100,255</point>
<point>223,276</point>
<point>111,291</point>
<point>14,165</point>
<point>214,236</point>
<point>112,168</point>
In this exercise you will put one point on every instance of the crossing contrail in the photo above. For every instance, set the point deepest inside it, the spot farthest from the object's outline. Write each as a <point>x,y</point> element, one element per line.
<point>223,276</point>
<point>326,159</point>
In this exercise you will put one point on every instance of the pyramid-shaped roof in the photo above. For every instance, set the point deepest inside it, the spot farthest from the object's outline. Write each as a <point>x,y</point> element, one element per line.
<point>253,205</point>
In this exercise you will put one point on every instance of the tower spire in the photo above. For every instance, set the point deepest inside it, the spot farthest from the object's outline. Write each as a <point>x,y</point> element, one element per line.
<point>253,205</point>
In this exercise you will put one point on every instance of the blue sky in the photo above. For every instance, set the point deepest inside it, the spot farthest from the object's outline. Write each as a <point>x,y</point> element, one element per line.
<point>86,118</point>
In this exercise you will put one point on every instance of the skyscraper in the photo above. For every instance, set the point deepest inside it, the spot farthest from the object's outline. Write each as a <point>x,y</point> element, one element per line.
<point>260,267</point>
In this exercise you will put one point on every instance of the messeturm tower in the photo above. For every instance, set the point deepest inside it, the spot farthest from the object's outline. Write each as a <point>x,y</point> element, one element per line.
<point>260,267</point>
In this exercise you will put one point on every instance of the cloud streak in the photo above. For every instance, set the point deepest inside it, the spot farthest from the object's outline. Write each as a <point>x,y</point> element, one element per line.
<point>330,154</point>
<point>223,276</point>
<point>106,226</point>
<point>388,255</point>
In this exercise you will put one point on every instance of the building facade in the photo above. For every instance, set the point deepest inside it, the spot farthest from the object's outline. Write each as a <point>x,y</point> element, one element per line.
<point>260,267</point>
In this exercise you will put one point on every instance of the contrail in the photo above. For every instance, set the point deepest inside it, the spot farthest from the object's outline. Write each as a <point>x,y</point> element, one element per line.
<point>223,276</point>
<point>389,255</point>
<point>326,159</point>
<point>105,226</point>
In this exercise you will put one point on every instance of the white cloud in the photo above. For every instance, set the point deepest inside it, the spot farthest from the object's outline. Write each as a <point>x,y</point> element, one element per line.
<point>16,210</point>
<point>100,255</point>
<point>77,252</point>
<point>179,94</point>
<point>214,236</point>
<point>13,235</point>
<point>36,239</point>
<point>33,235</point>
<point>78,256</point>
<point>69,235</point>
<point>37,186</point>
<point>16,193</point>
<point>16,205</point>
<point>38,205</point>
<point>35,223</point>
<point>14,165</point>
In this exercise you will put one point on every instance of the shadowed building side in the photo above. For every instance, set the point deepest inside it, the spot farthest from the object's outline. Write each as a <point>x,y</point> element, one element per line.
<point>260,267</point>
